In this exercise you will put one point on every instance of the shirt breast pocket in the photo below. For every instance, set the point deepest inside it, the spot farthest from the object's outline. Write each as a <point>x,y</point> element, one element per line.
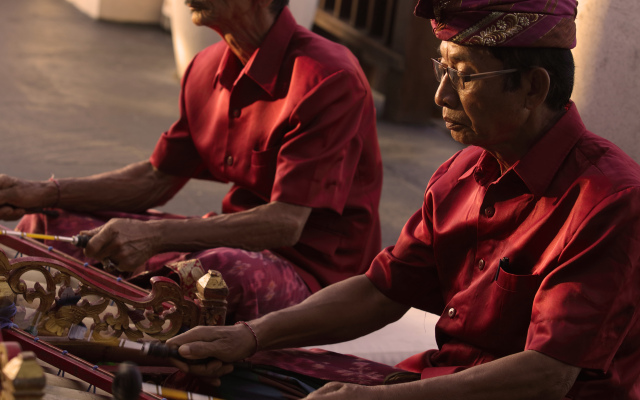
<point>263,170</point>
<point>264,158</point>
<point>513,297</point>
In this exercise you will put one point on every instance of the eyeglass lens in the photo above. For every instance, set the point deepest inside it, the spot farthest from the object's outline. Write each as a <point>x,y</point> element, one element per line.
<point>441,69</point>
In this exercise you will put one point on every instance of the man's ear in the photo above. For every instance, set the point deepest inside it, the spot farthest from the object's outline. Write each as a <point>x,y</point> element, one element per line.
<point>538,82</point>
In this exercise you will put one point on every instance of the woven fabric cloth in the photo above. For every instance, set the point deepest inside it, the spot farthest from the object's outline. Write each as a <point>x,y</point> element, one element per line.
<point>521,23</point>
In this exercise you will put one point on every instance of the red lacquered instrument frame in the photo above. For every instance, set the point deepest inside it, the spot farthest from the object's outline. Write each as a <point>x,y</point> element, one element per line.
<point>66,361</point>
<point>159,313</point>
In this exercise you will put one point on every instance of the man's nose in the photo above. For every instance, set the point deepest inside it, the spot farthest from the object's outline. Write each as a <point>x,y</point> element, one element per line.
<point>446,95</point>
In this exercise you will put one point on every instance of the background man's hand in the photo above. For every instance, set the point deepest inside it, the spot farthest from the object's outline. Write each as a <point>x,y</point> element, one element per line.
<point>18,196</point>
<point>222,345</point>
<point>127,243</point>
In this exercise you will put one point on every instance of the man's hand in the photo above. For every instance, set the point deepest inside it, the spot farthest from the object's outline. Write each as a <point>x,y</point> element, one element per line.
<point>221,345</point>
<point>341,391</point>
<point>18,196</point>
<point>127,243</point>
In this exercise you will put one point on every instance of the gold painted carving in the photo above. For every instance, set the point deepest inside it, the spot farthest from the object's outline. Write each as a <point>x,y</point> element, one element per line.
<point>63,298</point>
<point>504,29</point>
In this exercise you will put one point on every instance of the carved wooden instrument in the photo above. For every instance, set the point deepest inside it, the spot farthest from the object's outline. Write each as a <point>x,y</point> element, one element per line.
<point>67,293</point>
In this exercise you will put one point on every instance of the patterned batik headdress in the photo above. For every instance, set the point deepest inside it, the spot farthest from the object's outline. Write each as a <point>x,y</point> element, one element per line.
<point>506,23</point>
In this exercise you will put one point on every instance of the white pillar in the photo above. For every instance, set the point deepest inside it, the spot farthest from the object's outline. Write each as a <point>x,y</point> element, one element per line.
<point>134,11</point>
<point>607,56</point>
<point>304,11</point>
<point>188,39</point>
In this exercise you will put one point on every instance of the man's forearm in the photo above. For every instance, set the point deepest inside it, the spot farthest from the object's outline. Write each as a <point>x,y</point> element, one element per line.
<point>523,376</point>
<point>340,312</point>
<point>134,188</point>
<point>264,227</point>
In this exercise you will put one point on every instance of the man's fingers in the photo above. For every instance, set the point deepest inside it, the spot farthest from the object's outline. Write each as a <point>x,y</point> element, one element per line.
<point>9,213</point>
<point>226,369</point>
<point>197,334</point>
<point>6,182</point>
<point>215,382</point>
<point>103,246</point>
<point>97,247</point>
<point>212,368</point>
<point>181,365</point>
<point>198,349</point>
<point>331,387</point>
<point>121,241</point>
<point>91,232</point>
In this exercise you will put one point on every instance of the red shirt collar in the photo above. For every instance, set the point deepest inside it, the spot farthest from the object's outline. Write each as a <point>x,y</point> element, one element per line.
<point>539,166</point>
<point>264,64</point>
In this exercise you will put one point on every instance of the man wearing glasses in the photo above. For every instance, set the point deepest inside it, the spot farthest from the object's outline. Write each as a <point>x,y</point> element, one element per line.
<point>526,244</point>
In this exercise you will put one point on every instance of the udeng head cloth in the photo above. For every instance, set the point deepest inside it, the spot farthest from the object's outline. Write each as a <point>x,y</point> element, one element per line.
<point>523,23</point>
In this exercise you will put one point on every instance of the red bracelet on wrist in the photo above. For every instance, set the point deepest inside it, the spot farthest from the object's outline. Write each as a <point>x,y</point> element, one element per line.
<point>255,337</point>
<point>55,181</point>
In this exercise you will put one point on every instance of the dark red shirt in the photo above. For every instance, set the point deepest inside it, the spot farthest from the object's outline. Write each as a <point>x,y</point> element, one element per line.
<point>296,124</point>
<point>567,216</point>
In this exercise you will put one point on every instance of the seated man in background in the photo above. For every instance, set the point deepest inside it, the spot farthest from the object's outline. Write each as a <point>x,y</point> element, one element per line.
<point>526,243</point>
<point>286,116</point>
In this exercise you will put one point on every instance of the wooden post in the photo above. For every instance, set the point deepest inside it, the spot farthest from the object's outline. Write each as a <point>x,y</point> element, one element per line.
<point>409,93</point>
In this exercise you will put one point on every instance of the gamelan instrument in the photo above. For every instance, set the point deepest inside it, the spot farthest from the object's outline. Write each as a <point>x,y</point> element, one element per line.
<point>60,304</point>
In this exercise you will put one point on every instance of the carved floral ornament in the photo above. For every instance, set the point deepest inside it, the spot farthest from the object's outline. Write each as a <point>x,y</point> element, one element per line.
<point>504,29</point>
<point>65,298</point>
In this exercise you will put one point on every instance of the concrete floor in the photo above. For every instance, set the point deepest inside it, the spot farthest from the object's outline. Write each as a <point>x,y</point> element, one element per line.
<point>79,97</point>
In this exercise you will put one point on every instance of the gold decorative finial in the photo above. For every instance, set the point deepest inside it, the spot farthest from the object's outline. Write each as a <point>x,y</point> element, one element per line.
<point>23,378</point>
<point>212,286</point>
<point>212,296</point>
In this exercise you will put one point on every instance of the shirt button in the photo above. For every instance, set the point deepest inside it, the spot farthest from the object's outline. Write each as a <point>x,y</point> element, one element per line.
<point>489,211</point>
<point>236,113</point>
<point>481,264</point>
<point>451,312</point>
<point>229,160</point>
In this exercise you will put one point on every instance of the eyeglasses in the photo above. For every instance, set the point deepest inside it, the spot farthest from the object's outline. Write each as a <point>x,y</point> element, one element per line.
<point>458,79</point>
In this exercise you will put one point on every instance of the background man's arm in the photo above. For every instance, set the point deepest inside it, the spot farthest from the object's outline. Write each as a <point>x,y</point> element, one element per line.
<point>134,188</point>
<point>129,243</point>
<point>138,187</point>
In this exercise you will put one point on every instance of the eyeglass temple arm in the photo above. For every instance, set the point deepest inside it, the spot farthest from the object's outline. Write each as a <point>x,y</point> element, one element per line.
<point>482,75</point>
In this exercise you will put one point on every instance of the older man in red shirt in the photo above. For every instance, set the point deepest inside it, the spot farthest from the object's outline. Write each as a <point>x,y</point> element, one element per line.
<point>526,243</point>
<point>287,117</point>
